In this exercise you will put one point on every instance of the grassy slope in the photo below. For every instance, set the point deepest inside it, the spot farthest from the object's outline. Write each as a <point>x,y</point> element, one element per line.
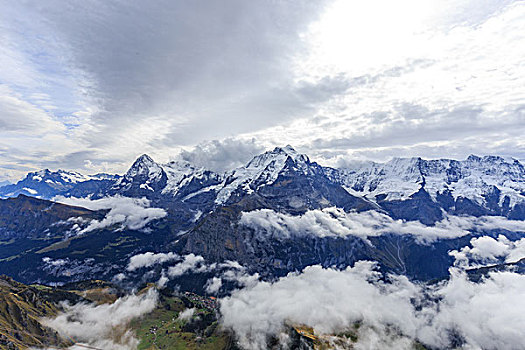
<point>21,308</point>
<point>161,329</point>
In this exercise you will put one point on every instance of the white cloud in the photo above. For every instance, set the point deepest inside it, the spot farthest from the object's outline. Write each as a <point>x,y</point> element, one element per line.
<point>213,285</point>
<point>131,213</point>
<point>229,264</point>
<point>21,116</point>
<point>211,70</point>
<point>231,271</point>
<point>485,315</point>
<point>443,64</point>
<point>119,277</point>
<point>222,155</point>
<point>191,263</point>
<point>241,277</point>
<point>55,263</point>
<point>486,250</point>
<point>334,222</point>
<point>186,315</point>
<point>149,259</point>
<point>163,280</point>
<point>104,326</point>
<point>325,299</point>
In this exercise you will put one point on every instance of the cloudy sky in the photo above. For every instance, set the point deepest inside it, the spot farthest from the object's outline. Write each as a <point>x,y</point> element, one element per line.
<point>90,85</point>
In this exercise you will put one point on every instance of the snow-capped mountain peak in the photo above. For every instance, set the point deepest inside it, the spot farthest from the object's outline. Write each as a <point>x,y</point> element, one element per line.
<point>396,179</point>
<point>46,183</point>
<point>59,175</point>
<point>488,185</point>
<point>183,174</point>
<point>276,159</point>
<point>474,178</point>
<point>144,175</point>
<point>263,170</point>
<point>145,166</point>
<point>293,154</point>
<point>175,179</point>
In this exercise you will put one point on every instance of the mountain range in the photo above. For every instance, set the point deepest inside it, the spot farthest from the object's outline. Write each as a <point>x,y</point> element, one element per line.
<point>489,185</point>
<point>278,213</point>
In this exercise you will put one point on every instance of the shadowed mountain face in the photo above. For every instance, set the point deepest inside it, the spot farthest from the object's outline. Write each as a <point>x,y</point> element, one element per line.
<point>28,217</point>
<point>145,178</point>
<point>220,237</point>
<point>39,242</point>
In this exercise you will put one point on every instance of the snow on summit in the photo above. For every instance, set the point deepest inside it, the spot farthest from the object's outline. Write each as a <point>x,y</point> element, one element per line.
<point>482,180</point>
<point>262,170</point>
<point>473,178</point>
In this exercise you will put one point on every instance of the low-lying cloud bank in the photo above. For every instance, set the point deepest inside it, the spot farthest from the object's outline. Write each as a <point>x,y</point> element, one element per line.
<point>228,271</point>
<point>190,263</point>
<point>131,213</point>
<point>335,222</point>
<point>392,311</point>
<point>184,264</point>
<point>487,250</point>
<point>149,259</point>
<point>103,326</point>
<point>484,315</point>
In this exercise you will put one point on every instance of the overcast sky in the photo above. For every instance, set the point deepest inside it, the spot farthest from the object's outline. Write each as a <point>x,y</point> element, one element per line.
<point>90,85</point>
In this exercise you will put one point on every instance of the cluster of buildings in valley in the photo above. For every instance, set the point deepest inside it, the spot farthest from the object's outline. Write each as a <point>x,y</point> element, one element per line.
<point>209,303</point>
